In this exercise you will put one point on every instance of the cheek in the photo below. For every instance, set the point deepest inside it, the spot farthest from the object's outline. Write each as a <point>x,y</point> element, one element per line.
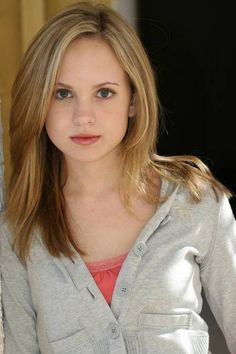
<point>56,120</point>
<point>50,125</point>
<point>54,126</point>
<point>119,108</point>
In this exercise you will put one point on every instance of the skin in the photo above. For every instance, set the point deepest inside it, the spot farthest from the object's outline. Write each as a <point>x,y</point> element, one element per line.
<point>93,96</point>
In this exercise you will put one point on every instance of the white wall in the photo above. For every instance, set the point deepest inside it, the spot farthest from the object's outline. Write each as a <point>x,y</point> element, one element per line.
<point>127,8</point>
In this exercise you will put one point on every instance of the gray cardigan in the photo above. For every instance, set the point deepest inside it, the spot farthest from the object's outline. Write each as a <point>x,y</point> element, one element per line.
<point>54,306</point>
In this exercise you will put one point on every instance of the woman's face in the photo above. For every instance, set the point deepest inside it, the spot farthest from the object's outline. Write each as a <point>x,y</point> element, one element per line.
<point>88,115</point>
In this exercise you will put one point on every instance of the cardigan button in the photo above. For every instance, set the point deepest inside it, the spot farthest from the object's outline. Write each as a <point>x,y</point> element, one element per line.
<point>140,248</point>
<point>114,330</point>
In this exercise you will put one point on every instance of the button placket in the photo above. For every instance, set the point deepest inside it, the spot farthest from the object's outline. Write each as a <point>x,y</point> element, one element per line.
<point>165,220</point>
<point>124,285</point>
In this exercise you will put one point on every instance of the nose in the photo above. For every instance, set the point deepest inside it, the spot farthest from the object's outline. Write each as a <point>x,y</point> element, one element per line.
<point>83,114</point>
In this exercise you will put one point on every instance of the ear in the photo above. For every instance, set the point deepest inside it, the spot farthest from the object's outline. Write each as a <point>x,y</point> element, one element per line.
<point>132,106</point>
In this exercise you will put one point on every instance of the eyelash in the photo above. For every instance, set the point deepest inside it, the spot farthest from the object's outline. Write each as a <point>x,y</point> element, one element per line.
<point>59,91</point>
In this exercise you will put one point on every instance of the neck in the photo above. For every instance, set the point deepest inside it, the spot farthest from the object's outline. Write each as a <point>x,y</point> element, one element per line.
<point>93,179</point>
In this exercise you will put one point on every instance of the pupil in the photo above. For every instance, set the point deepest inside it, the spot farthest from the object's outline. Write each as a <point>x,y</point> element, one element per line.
<point>63,93</point>
<point>104,92</point>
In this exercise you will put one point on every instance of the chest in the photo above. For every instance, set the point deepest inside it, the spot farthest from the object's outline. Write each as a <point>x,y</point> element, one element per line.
<point>108,229</point>
<point>157,281</point>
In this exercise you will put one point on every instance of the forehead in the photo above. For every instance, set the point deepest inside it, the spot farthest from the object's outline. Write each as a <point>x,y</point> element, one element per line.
<point>90,56</point>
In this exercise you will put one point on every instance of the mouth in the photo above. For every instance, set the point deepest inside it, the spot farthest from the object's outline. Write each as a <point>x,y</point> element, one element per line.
<point>85,139</point>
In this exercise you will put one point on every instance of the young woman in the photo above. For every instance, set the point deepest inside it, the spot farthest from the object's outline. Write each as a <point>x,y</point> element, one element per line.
<point>105,245</point>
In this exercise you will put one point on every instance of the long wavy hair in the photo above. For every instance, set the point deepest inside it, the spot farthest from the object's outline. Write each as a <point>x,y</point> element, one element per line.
<point>35,193</point>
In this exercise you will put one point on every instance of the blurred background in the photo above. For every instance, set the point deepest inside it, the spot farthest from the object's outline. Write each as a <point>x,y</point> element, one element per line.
<point>192,48</point>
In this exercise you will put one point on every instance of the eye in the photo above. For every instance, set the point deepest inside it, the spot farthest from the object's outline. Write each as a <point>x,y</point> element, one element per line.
<point>105,93</point>
<point>62,94</point>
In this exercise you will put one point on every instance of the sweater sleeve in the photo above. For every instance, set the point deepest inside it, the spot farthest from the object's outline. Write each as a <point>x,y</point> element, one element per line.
<point>19,317</point>
<point>218,273</point>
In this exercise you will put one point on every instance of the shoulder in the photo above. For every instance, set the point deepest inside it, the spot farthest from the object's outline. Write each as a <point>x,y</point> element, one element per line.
<point>206,223</point>
<point>207,210</point>
<point>210,198</point>
<point>9,260</point>
<point>6,241</point>
<point>6,236</point>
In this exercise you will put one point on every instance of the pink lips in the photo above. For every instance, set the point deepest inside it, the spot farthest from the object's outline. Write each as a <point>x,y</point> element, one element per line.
<point>85,139</point>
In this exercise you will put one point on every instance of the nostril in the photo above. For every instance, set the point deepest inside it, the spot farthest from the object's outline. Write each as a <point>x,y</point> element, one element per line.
<point>83,119</point>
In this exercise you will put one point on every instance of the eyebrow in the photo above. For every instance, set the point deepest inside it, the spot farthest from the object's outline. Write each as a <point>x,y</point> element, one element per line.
<point>95,86</point>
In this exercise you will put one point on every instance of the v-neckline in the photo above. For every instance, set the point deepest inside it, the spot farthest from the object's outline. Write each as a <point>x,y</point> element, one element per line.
<point>83,279</point>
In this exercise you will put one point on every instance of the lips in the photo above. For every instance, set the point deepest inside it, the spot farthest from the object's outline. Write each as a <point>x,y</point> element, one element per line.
<point>85,139</point>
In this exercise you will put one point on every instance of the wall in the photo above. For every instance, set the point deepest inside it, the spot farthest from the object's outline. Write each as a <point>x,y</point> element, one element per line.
<point>126,9</point>
<point>10,47</point>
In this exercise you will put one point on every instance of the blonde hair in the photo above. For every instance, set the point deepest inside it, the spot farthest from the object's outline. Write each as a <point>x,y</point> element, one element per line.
<point>35,197</point>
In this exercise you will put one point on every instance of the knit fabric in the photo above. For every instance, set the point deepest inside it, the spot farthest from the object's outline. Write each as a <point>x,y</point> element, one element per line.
<point>53,305</point>
<point>1,326</point>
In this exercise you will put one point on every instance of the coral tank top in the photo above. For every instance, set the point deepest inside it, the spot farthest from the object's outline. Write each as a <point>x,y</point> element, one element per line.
<point>105,274</point>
